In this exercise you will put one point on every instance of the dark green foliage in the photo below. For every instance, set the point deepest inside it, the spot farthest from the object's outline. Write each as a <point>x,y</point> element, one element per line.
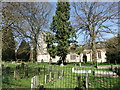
<point>23,51</point>
<point>50,47</point>
<point>8,49</point>
<point>113,50</point>
<point>62,30</point>
<point>59,62</point>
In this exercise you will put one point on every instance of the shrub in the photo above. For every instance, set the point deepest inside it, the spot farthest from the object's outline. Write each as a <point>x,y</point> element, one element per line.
<point>59,62</point>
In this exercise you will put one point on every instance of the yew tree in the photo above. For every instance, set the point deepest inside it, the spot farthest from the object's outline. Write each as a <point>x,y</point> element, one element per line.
<point>62,30</point>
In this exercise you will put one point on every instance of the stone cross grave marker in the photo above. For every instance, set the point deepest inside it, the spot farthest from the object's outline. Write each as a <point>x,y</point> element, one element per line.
<point>34,82</point>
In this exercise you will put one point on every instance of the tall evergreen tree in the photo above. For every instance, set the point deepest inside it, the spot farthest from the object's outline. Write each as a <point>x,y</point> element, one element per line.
<point>50,47</point>
<point>23,51</point>
<point>62,29</point>
<point>8,49</point>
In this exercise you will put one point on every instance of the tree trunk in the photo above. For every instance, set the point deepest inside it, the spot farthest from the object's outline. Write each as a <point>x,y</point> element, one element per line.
<point>0,46</point>
<point>94,50</point>
<point>93,46</point>
<point>35,54</point>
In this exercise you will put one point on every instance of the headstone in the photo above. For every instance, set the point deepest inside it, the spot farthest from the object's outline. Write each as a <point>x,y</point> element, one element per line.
<point>79,81</point>
<point>62,73</point>
<point>80,71</point>
<point>41,87</point>
<point>58,74</point>
<point>16,75</point>
<point>80,64</point>
<point>26,74</point>
<point>26,66</point>
<point>38,71</point>
<point>50,68</point>
<point>2,66</point>
<point>105,73</point>
<point>17,67</point>
<point>112,68</point>
<point>50,76</point>
<point>8,70</point>
<point>46,78</point>
<point>35,82</point>
<point>22,65</point>
<point>86,81</point>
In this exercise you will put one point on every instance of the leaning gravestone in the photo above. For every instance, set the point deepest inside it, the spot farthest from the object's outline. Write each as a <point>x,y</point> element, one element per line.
<point>35,82</point>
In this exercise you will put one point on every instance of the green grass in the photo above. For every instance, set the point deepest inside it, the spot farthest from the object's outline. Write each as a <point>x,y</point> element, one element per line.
<point>68,81</point>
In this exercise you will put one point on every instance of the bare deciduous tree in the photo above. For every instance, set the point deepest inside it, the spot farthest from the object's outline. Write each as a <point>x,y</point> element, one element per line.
<point>28,20</point>
<point>94,19</point>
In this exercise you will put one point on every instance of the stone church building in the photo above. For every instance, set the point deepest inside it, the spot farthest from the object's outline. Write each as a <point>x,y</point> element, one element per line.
<point>43,55</point>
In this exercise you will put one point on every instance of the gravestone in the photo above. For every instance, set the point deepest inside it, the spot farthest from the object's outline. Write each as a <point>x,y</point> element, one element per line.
<point>26,73</point>
<point>41,87</point>
<point>105,74</point>
<point>112,68</point>
<point>80,64</point>
<point>2,65</point>
<point>17,67</point>
<point>79,81</point>
<point>58,74</point>
<point>35,82</point>
<point>38,71</point>
<point>62,73</point>
<point>7,70</point>
<point>50,68</point>
<point>46,78</point>
<point>16,75</point>
<point>86,81</point>
<point>22,65</point>
<point>80,71</point>
<point>50,76</point>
